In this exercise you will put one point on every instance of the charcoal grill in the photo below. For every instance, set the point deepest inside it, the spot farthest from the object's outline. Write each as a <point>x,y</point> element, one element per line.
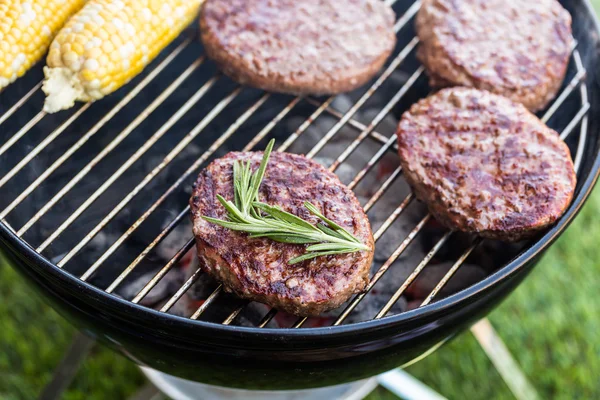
<point>90,196</point>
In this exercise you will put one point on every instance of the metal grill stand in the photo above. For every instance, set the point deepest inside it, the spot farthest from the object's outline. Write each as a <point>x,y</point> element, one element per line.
<point>181,389</point>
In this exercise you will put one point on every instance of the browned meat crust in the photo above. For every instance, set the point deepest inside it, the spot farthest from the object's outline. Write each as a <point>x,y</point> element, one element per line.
<point>257,269</point>
<point>299,47</point>
<point>519,49</point>
<point>485,164</point>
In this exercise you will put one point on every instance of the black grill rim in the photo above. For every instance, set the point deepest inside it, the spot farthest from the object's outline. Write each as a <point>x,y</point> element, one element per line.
<point>312,336</point>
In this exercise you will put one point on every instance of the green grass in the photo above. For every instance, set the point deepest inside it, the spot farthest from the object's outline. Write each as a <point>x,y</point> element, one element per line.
<point>33,339</point>
<point>550,324</point>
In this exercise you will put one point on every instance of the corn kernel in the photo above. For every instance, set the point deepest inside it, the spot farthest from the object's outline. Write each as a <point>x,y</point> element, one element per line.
<point>113,41</point>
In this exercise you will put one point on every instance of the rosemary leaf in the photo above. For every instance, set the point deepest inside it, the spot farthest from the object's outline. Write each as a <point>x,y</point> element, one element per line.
<point>328,231</point>
<point>315,211</point>
<point>309,256</point>
<point>233,211</point>
<point>284,238</point>
<point>236,186</point>
<point>260,174</point>
<point>281,215</point>
<point>260,220</point>
<point>326,247</point>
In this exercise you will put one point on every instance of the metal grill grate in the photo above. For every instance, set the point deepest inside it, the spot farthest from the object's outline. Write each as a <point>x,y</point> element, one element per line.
<point>364,132</point>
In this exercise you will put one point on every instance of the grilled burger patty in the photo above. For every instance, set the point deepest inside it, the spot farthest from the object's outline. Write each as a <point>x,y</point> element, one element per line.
<point>485,164</point>
<point>519,49</point>
<point>299,47</point>
<point>257,268</point>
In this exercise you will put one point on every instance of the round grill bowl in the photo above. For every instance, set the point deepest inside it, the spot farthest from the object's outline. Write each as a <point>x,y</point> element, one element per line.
<point>268,358</point>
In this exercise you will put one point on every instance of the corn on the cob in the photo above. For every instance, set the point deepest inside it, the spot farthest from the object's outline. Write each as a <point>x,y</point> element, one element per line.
<point>107,43</point>
<point>26,30</point>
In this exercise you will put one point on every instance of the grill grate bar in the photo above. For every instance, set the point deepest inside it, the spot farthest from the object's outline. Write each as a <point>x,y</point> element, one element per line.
<point>365,97</point>
<point>376,136</point>
<point>234,314</point>
<point>581,144</point>
<point>272,123</point>
<point>299,322</point>
<point>451,271</point>
<point>230,131</point>
<point>292,138</point>
<point>5,222</point>
<point>382,270</point>
<point>575,121</point>
<point>132,94</point>
<point>31,155</point>
<point>388,182</point>
<point>148,178</point>
<point>379,138</point>
<point>413,275</point>
<point>141,256</point>
<point>407,16</point>
<point>565,93</point>
<point>380,153</point>
<point>367,130</point>
<point>393,216</point>
<point>188,284</point>
<point>267,318</point>
<point>584,122</point>
<point>388,142</point>
<point>584,100</point>
<point>111,146</point>
<point>19,103</point>
<point>207,302</point>
<point>377,120</point>
<point>22,132</point>
<point>187,247</point>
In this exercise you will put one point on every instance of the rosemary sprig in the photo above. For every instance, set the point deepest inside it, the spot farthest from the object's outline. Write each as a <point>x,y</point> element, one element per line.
<point>247,214</point>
